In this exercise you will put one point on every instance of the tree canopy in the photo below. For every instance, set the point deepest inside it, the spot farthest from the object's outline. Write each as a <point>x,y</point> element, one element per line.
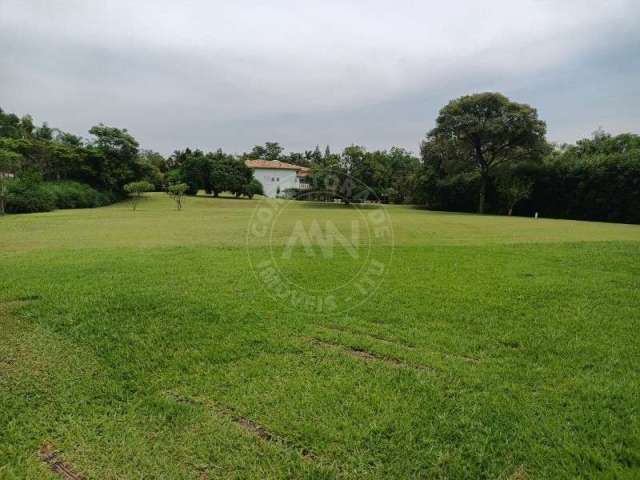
<point>485,130</point>
<point>486,153</point>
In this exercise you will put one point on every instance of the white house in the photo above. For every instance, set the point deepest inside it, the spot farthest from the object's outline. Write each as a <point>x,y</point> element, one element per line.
<point>276,176</point>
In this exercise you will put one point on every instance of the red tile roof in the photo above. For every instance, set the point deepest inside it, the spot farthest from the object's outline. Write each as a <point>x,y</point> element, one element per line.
<point>274,164</point>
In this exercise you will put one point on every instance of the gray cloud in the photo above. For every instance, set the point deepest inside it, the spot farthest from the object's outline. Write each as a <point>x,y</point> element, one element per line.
<point>232,74</point>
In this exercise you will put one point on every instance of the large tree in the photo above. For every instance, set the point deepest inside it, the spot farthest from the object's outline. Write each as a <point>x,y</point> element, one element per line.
<point>114,157</point>
<point>487,130</point>
<point>270,151</point>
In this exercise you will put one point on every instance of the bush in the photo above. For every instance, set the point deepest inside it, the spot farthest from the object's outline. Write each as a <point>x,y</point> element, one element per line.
<point>454,193</point>
<point>70,194</point>
<point>136,190</point>
<point>28,195</point>
<point>254,187</point>
<point>605,188</point>
<point>177,191</point>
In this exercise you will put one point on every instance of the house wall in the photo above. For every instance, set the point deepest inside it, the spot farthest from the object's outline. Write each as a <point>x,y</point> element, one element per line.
<point>271,178</point>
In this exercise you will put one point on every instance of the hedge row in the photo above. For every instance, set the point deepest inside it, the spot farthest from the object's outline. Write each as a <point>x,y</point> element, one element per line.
<point>603,188</point>
<point>28,196</point>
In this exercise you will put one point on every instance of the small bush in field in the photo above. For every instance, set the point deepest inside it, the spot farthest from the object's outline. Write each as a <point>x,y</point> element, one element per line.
<point>136,190</point>
<point>177,192</point>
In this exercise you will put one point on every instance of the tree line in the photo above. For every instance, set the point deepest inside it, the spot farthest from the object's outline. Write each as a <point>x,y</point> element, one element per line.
<point>42,168</point>
<point>489,154</point>
<point>486,154</point>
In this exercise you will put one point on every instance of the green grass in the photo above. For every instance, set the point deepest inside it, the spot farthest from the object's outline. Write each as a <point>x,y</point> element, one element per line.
<point>142,345</point>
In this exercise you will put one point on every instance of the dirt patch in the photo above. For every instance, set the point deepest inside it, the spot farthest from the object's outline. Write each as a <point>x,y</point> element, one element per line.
<point>369,356</point>
<point>13,304</point>
<point>254,428</point>
<point>19,301</point>
<point>49,455</point>
<point>519,474</point>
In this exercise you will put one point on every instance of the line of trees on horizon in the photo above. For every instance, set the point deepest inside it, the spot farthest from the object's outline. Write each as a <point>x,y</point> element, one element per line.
<point>489,154</point>
<point>486,154</point>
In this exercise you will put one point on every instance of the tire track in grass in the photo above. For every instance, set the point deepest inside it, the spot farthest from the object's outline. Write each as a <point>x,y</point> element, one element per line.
<point>400,343</point>
<point>365,355</point>
<point>373,336</point>
<point>37,364</point>
<point>52,458</point>
<point>246,424</point>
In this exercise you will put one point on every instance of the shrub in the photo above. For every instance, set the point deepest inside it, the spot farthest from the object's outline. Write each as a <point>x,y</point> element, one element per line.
<point>70,194</point>
<point>29,195</point>
<point>254,187</point>
<point>605,188</point>
<point>177,191</point>
<point>455,193</point>
<point>136,189</point>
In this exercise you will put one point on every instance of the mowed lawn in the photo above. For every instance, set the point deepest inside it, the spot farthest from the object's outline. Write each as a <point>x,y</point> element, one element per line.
<point>141,345</point>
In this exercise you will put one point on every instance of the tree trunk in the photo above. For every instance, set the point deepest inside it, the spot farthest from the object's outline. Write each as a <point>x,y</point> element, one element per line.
<point>483,192</point>
<point>482,165</point>
<point>510,211</point>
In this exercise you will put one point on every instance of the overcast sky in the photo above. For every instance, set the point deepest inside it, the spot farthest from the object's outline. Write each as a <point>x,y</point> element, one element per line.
<point>232,74</point>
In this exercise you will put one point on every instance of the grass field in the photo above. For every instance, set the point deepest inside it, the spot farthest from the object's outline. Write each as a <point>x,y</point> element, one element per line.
<point>142,345</point>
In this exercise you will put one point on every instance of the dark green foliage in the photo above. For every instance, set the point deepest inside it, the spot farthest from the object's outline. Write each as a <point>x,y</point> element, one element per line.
<point>229,174</point>
<point>70,194</point>
<point>106,163</point>
<point>270,151</point>
<point>516,170</point>
<point>254,187</point>
<point>568,184</point>
<point>9,164</point>
<point>213,172</point>
<point>583,185</point>
<point>153,168</point>
<point>484,131</point>
<point>381,175</point>
<point>455,192</point>
<point>29,194</point>
<point>192,168</point>
<point>114,158</point>
<point>512,189</point>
